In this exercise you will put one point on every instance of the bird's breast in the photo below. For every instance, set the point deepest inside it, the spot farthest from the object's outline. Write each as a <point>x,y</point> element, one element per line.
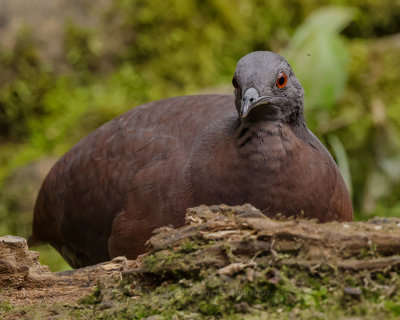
<point>268,167</point>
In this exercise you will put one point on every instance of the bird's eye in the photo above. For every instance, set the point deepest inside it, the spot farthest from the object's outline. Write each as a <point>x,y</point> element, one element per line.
<point>234,83</point>
<point>281,80</point>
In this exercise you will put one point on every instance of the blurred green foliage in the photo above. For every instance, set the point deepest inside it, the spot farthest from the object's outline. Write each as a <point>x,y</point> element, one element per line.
<point>345,53</point>
<point>320,56</point>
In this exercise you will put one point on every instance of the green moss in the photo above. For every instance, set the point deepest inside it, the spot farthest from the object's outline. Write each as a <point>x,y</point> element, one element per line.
<point>92,298</point>
<point>209,309</point>
<point>5,307</point>
<point>188,246</point>
<point>393,307</point>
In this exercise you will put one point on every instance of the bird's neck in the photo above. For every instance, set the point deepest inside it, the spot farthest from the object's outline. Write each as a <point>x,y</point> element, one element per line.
<point>250,131</point>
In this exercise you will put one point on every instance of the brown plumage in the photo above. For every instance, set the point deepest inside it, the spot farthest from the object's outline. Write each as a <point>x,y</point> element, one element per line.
<point>141,170</point>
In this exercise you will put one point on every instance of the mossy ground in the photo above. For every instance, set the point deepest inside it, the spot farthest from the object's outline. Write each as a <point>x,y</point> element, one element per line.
<point>285,293</point>
<point>230,263</point>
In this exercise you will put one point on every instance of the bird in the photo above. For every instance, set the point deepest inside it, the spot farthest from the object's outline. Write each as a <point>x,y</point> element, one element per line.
<point>143,169</point>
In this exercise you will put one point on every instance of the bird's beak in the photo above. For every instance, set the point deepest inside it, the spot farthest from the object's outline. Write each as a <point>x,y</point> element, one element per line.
<point>251,99</point>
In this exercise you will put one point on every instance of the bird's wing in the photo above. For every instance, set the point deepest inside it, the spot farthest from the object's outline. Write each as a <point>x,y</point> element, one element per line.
<point>90,184</point>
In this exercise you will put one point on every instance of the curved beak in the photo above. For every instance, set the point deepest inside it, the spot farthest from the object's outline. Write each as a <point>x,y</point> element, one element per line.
<point>251,99</point>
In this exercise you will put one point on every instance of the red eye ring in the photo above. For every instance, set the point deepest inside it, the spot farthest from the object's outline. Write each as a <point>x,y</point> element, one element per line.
<point>281,80</point>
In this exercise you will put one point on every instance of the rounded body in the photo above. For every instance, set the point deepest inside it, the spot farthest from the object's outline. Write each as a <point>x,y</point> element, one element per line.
<point>140,171</point>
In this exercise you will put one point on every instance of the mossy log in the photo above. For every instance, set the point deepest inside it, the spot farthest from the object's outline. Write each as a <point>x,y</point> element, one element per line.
<point>226,262</point>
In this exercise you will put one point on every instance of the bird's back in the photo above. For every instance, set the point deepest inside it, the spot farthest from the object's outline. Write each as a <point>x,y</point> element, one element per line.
<point>141,170</point>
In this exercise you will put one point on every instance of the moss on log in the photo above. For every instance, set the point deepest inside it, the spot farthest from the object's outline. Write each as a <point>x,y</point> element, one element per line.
<point>226,262</point>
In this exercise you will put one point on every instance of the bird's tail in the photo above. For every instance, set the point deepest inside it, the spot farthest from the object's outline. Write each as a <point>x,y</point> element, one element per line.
<point>33,240</point>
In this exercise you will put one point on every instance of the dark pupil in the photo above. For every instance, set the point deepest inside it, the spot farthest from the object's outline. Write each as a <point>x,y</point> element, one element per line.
<point>281,80</point>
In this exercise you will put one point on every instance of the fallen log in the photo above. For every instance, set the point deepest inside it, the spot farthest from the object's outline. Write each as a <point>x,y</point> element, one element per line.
<point>224,261</point>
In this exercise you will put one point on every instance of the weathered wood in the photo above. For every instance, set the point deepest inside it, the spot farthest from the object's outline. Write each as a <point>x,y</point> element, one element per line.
<point>227,239</point>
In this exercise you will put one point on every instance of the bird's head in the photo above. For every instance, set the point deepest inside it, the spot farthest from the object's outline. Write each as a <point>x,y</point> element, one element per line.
<point>266,88</point>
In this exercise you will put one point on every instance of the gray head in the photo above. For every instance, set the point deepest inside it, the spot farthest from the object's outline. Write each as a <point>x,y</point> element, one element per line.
<point>266,88</point>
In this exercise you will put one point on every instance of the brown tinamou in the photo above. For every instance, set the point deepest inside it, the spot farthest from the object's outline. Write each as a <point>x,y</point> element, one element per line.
<point>141,171</point>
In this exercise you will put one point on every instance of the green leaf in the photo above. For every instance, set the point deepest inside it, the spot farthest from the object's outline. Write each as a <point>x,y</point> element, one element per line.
<point>319,56</point>
<point>341,159</point>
